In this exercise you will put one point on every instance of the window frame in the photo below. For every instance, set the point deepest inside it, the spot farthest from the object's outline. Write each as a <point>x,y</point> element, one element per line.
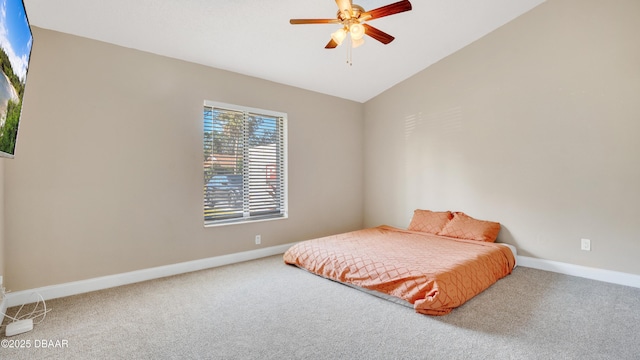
<point>284,185</point>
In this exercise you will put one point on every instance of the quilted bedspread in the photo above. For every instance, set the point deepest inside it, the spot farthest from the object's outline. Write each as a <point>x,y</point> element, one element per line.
<point>434,273</point>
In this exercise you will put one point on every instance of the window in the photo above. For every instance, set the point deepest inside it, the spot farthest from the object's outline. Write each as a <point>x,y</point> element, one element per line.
<point>244,164</point>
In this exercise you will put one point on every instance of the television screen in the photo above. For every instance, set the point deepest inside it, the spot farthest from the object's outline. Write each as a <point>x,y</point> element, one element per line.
<point>15,50</point>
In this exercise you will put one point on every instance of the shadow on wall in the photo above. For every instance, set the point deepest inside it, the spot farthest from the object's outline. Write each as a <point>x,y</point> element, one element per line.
<point>434,164</point>
<point>505,236</point>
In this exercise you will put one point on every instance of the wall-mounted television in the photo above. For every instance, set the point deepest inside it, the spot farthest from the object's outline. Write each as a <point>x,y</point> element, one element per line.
<point>15,50</point>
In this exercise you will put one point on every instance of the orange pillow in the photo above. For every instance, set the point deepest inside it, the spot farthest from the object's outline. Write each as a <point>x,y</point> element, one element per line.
<point>429,221</point>
<point>463,226</point>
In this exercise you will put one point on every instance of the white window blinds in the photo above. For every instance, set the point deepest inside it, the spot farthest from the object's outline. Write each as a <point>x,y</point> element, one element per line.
<point>244,164</point>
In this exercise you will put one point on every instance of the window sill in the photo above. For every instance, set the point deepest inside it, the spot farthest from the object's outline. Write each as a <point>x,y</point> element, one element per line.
<point>243,221</point>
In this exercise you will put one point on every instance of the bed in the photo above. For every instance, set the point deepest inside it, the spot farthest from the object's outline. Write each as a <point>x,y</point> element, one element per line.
<point>438,263</point>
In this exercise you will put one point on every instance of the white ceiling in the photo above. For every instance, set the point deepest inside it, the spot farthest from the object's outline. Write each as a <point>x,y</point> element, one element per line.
<point>254,37</point>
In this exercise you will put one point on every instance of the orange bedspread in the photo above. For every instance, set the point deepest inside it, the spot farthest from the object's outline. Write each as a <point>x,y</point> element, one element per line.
<point>436,274</point>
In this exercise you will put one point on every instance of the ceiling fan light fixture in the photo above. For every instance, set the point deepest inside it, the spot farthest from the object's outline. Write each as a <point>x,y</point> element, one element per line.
<point>339,35</point>
<point>357,31</point>
<point>354,18</point>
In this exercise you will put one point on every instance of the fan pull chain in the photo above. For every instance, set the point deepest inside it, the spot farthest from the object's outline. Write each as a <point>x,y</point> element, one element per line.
<point>349,53</point>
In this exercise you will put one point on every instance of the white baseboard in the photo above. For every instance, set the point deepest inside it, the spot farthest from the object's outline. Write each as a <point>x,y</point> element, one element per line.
<point>105,282</point>
<point>609,276</point>
<point>83,286</point>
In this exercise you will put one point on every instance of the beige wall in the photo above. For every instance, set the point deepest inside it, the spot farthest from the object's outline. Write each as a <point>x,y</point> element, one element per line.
<point>108,170</point>
<point>535,125</point>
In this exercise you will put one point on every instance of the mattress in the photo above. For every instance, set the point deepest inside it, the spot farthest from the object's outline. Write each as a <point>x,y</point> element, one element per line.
<point>403,302</point>
<point>432,273</point>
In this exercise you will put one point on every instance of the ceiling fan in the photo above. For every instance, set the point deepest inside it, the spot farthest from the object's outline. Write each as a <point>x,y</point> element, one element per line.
<point>353,17</point>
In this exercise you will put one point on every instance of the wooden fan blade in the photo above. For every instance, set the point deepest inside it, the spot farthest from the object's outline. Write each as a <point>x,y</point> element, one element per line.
<point>397,7</point>
<point>345,8</point>
<point>313,21</point>
<point>379,35</point>
<point>331,44</point>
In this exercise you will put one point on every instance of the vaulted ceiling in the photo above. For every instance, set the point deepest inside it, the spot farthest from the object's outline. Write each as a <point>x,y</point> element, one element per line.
<point>254,37</point>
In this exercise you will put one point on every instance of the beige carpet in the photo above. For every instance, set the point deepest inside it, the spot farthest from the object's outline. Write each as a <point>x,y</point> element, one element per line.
<point>264,309</point>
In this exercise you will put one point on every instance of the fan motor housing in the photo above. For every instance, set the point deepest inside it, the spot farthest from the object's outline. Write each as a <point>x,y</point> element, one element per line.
<point>356,10</point>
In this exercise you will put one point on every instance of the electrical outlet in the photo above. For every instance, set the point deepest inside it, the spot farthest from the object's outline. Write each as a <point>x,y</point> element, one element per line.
<point>258,239</point>
<point>585,244</point>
